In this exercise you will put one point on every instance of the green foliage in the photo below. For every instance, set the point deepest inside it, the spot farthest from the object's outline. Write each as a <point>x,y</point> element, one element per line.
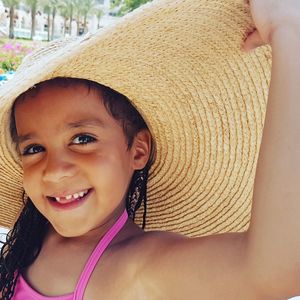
<point>87,6</point>
<point>32,4</point>
<point>99,12</point>
<point>125,6</point>
<point>12,4</point>
<point>9,3</point>
<point>66,8</point>
<point>48,5</point>
<point>133,4</point>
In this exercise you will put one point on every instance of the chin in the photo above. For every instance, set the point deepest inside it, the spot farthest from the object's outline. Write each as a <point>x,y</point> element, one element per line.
<point>68,232</point>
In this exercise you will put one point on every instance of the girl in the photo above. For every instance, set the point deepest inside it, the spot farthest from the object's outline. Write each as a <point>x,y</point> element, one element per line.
<point>81,151</point>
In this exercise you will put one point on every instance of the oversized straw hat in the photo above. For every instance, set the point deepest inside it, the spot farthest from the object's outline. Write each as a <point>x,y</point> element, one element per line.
<point>204,100</point>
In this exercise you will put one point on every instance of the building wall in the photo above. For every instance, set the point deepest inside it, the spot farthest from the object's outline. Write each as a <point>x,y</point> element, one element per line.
<point>23,21</point>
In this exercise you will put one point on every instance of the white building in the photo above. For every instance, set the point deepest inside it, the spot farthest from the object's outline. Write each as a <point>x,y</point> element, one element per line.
<point>22,26</point>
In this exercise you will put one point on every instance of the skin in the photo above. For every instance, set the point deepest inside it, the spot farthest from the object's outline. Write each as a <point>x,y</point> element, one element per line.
<point>262,263</point>
<point>58,160</point>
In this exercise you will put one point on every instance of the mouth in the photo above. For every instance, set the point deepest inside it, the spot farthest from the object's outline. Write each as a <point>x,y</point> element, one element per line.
<point>69,201</point>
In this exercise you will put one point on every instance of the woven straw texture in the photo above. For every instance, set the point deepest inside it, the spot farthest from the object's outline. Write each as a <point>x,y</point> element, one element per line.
<point>204,101</point>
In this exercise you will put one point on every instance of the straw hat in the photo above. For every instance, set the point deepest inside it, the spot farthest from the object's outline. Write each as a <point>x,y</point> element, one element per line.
<point>180,63</point>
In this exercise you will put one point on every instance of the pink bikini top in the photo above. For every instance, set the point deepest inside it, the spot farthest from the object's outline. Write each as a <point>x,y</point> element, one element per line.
<point>24,291</point>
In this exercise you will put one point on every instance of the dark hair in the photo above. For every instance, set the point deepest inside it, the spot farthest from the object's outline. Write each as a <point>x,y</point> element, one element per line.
<point>24,241</point>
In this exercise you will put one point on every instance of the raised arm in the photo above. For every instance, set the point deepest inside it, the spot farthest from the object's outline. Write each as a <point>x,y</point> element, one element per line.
<point>273,239</point>
<point>264,262</point>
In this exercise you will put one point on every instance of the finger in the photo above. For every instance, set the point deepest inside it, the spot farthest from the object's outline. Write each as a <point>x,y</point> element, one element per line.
<point>252,41</point>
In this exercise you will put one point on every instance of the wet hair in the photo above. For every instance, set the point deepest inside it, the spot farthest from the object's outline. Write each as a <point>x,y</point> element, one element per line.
<point>24,242</point>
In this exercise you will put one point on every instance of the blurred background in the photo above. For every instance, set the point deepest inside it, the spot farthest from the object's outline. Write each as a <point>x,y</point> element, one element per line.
<point>28,24</point>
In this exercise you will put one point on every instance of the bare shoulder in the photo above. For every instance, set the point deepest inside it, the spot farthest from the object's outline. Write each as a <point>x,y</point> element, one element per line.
<point>212,267</point>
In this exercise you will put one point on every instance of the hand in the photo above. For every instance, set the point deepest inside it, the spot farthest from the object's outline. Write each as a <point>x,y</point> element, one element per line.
<point>268,16</point>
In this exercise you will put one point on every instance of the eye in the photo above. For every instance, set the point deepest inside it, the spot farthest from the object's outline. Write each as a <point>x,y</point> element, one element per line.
<point>83,139</point>
<point>32,149</point>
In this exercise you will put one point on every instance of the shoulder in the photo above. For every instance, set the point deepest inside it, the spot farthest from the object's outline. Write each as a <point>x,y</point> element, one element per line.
<point>178,267</point>
<point>153,241</point>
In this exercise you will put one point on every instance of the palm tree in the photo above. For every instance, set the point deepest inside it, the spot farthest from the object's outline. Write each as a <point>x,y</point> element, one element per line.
<point>99,13</point>
<point>78,4</point>
<point>66,8</point>
<point>83,8</point>
<point>50,8</point>
<point>53,4</point>
<point>32,4</point>
<point>11,4</point>
<point>87,7</point>
<point>45,5</point>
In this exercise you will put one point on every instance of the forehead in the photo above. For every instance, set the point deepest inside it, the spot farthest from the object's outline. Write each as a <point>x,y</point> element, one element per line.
<point>46,93</point>
<point>54,98</point>
<point>52,105</point>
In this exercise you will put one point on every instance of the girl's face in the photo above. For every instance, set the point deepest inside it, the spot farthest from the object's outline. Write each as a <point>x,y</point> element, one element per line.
<point>69,144</point>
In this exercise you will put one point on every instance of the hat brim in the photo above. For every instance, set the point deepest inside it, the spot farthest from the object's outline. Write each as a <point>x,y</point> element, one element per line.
<point>180,64</point>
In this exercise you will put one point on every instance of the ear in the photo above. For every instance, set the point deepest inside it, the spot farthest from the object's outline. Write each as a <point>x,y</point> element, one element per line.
<point>141,148</point>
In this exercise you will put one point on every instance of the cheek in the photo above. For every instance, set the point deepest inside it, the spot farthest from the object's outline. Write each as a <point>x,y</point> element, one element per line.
<point>113,174</point>
<point>30,183</point>
<point>111,163</point>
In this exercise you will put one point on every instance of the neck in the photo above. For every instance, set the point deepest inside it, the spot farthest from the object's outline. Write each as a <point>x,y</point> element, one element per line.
<point>91,238</point>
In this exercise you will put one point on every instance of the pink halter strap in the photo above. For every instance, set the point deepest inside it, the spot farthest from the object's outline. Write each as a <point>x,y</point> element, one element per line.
<point>96,254</point>
<point>25,291</point>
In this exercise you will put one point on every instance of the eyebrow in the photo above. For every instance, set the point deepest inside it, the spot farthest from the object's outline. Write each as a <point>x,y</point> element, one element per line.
<point>23,138</point>
<point>86,123</point>
<point>77,124</point>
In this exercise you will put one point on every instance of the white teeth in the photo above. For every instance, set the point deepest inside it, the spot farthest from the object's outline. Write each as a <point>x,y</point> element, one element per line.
<point>75,196</point>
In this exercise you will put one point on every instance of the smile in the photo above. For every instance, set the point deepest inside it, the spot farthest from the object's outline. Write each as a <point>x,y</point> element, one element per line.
<point>71,197</point>
<point>70,201</point>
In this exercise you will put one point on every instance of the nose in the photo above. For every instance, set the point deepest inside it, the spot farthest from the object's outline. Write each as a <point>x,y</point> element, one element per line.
<point>57,168</point>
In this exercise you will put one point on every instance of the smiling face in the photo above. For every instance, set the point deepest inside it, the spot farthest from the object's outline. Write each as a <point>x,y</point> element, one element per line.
<point>71,145</point>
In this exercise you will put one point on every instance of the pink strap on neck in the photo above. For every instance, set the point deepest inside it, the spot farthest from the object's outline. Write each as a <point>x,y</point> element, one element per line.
<point>96,254</point>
